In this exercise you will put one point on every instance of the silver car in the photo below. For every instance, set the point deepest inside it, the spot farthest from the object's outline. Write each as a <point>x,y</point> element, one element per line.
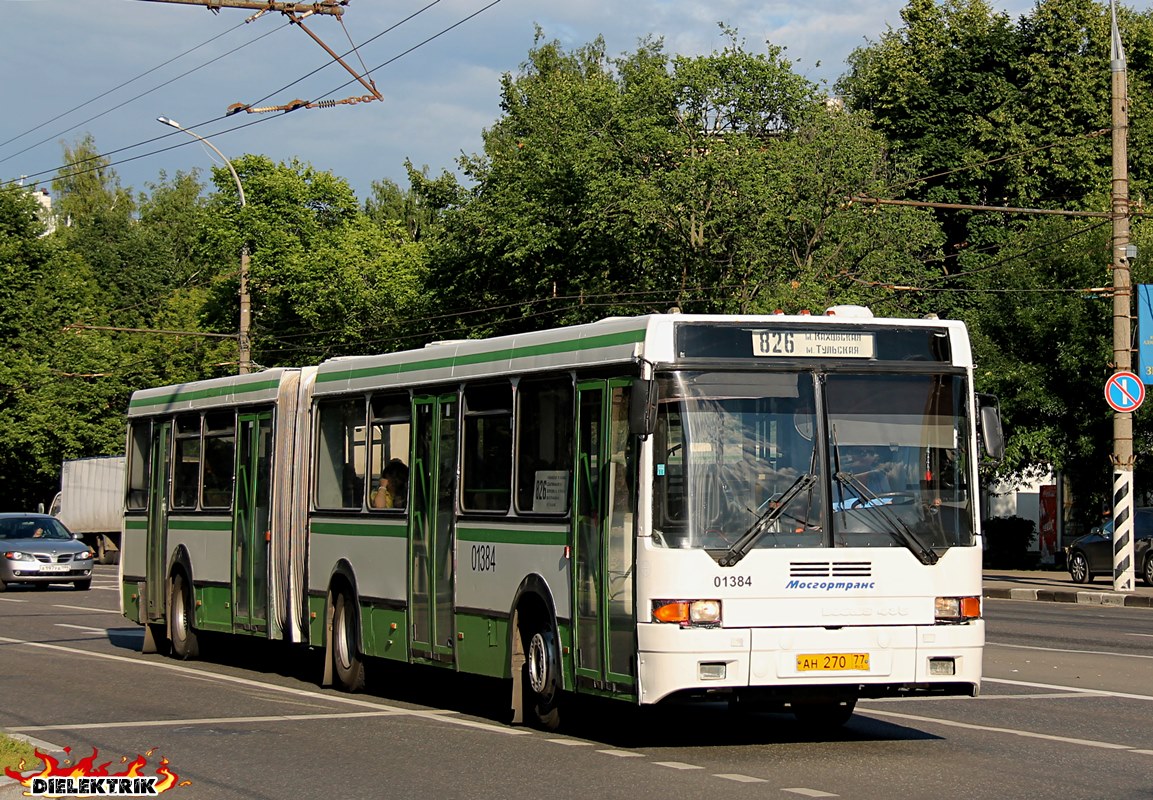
<point>38,549</point>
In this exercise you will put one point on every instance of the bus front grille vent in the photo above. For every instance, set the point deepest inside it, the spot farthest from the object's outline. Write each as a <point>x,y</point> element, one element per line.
<point>826,569</point>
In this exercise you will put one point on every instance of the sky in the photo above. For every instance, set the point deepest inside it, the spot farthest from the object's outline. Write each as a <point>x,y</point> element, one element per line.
<point>109,68</point>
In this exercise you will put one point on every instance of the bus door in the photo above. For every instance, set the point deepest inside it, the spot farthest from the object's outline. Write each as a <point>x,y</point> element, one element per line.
<point>433,486</point>
<point>160,471</point>
<point>605,619</point>
<point>251,533</point>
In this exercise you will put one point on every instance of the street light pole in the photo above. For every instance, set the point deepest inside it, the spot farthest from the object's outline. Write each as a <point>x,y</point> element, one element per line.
<point>245,354</point>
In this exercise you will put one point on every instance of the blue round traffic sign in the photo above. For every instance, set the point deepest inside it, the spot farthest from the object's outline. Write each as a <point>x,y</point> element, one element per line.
<point>1124,391</point>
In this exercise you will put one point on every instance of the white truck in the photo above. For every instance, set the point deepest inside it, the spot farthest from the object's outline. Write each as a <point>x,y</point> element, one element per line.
<point>91,503</point>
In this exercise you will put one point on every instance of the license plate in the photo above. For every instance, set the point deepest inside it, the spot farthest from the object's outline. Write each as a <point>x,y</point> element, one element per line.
<point>832,662</point>
<point>54,568</point>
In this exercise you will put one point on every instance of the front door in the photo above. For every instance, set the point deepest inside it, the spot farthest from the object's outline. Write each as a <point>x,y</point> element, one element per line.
<point>433,485</point>
<point>251,535</point>
<point>160,470</point>
<point>604,555</point>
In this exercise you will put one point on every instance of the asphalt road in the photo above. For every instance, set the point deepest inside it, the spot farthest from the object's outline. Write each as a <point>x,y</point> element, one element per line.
<point>1063,714</point>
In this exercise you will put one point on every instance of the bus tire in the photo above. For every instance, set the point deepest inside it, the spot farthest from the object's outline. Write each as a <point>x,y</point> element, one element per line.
<point>185,642</point>
<point>347,664</point>
<point>542,680</point>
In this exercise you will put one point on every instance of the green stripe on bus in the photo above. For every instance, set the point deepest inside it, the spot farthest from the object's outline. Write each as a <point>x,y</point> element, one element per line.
<point>359,529</point>
<point>200,524</point>
<point>136,524</point>
<point>507,354</point>
<point>186,395</point>
<point>512,536</point>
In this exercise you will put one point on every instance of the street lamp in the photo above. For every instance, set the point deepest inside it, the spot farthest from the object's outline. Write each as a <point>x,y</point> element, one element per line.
<point>245,356</point>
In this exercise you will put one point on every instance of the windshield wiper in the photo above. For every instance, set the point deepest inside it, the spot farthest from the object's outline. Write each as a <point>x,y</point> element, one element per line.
<point>740,548</point>
<point>896,527</point>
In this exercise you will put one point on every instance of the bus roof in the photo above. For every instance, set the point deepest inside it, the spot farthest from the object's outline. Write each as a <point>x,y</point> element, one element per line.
<point>607,341</point>
<point>614,340</point>
<point>257,387</point>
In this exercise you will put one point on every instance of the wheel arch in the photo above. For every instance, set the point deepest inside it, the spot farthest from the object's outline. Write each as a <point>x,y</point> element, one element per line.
<point>532,605</point>
<point>341,578</point>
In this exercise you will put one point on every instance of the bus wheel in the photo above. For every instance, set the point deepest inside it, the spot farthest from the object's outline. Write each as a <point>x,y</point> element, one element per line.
<point>824,716</point>
<point>542,684</point>
<point>346,661</point>
<point>185,643</point>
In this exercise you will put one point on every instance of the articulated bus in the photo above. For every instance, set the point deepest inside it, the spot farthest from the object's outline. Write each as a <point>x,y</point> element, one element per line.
<point>779,511</point>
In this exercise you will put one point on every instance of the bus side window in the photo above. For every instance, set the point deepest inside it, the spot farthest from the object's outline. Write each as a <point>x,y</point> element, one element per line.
<point>390,439</point>
<point>544,446</point>
<point>139,439</point>
<point>219,459</point>
<point>341,457</point>
<point>186,468</point>
<point>486,471</point>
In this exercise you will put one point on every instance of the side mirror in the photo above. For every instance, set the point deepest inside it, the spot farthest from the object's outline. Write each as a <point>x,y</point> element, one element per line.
<point>989,426</point>
<point>643,407</point>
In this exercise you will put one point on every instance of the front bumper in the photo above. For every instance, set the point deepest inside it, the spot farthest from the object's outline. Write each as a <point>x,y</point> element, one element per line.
<point>37,572</point>
<point>902,659</point>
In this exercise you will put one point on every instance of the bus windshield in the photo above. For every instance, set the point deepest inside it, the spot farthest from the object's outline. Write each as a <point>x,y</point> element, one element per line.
<point>738,459</point>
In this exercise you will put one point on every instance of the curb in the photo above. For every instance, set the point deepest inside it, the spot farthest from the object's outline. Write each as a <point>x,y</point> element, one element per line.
<point>1071,596</point>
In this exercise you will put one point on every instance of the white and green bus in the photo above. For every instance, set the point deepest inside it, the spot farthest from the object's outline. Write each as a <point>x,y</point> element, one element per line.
<point>775,510</point>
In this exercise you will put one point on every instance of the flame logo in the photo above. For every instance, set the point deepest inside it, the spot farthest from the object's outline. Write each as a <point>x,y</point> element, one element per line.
<point>88,768</point>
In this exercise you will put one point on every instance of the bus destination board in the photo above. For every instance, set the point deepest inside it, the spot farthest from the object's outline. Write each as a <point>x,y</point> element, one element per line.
<point>814,344</point>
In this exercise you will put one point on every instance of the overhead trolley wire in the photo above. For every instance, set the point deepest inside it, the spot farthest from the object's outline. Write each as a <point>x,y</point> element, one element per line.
<point>137,97</point>
<point>116,88</point>
<point>73,171</point>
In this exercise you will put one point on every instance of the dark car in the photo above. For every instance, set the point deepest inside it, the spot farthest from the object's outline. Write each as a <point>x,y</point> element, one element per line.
<point>1092,554</point>
<point>38,549</point>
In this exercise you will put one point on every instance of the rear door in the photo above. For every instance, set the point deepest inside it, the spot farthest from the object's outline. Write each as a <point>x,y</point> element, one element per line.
<point>250,528</point>
<point>161,472</point>
<point>432,481</point>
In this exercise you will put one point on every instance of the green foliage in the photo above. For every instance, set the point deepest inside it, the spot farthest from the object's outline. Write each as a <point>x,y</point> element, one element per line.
<point>1007,542</point>
<point>997,113</point>
<point>325,279</point>
<point>17,754</point>
<point>716,184</point>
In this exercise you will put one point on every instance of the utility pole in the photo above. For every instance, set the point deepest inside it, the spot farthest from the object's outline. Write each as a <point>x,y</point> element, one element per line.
<point>1122,320</point>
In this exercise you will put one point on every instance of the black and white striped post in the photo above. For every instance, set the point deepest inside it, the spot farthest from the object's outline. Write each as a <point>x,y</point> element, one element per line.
<point>1122,322</point>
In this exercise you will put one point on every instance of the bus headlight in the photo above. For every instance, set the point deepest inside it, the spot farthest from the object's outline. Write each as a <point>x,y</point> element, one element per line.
<point>958,609</point>
<point>688,613</point>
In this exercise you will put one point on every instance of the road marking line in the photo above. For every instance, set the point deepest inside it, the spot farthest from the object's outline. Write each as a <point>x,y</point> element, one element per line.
<point>810,792</point>
<point>728,776</point>
<point>1026,734</point>
<point>966,699</point>
<point>82,608</point>
<point>676,765</point>
<point>622,753</point>
<point>12,600</point>
<point>1065,650</point>
<point>98,631</point>
<point>1144,752</point>
<point>192,672</point>
<point>160,723</point>
<point>1078,689</point>
<point>1150,635</point>
<point>570,742</point>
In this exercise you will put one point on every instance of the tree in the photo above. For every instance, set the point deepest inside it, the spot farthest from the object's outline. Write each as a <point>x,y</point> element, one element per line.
<point>324,279</point>
<point>997,113</point>
<point>53,403</point>
<point>717,183</point>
